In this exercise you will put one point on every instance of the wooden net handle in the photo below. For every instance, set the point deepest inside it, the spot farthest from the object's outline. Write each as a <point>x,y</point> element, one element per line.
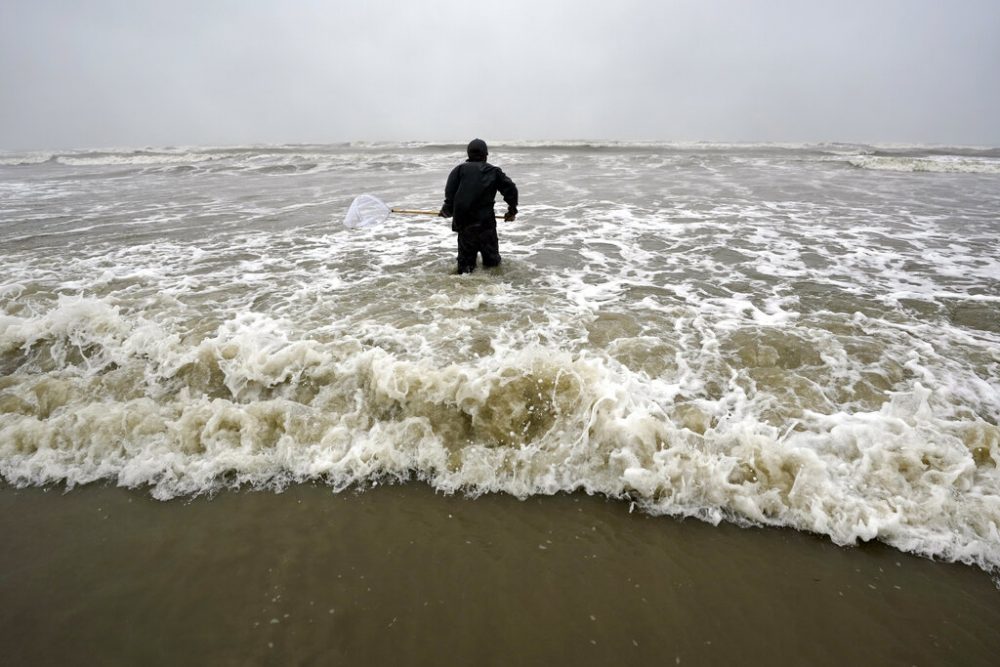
<point>411,211</point>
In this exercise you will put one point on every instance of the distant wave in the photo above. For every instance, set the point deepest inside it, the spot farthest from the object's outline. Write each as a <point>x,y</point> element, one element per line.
<point>131,158</point>
<point>928,163</point>
<point>297,158</point>
<point>586,144</point>
<point>24,159</point>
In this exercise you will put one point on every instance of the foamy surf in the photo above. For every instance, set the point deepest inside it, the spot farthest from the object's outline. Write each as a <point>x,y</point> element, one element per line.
<point>744,334</point>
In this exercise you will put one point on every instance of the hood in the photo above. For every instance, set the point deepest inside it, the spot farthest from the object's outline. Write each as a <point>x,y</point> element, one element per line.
<point>477,150</point>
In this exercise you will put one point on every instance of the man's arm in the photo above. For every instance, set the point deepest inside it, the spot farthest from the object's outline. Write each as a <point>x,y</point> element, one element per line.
<point>509,192</point>
<point>450,188</point>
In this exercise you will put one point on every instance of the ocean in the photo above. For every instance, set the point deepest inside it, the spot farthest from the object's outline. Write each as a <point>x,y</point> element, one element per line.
<point>801,337</point>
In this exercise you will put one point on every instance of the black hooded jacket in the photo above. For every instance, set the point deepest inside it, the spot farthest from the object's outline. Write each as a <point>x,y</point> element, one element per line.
<point>472,187</point>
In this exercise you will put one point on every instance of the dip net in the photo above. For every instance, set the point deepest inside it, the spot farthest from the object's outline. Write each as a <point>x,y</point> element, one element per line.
<point>365,211</point>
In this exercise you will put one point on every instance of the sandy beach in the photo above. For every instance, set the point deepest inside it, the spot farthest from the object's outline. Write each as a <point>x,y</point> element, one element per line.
<point>403,575</point>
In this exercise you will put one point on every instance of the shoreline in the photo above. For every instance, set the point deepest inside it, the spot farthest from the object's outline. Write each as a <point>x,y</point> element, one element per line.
<point>402,574</point>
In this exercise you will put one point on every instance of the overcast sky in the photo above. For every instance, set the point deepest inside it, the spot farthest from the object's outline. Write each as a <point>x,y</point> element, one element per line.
<point>181,72</point>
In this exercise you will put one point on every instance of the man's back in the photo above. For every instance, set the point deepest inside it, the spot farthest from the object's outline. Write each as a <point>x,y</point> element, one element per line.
<point>474,187</point>
<point>471,189</point>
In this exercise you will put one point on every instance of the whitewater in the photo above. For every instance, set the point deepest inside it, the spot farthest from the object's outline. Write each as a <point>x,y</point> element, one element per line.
<point>786,335</point>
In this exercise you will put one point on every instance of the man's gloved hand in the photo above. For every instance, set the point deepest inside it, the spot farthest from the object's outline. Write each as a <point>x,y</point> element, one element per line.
<point>444,214</point>
<point>509,216</point>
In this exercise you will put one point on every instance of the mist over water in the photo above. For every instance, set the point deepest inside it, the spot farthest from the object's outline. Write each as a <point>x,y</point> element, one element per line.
<point>804,336</point>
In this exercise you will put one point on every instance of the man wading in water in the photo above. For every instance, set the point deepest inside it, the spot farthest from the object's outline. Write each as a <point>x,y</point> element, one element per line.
<point>468,200</point>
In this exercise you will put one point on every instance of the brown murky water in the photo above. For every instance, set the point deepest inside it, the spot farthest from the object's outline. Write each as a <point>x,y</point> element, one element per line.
<point>404,576</point>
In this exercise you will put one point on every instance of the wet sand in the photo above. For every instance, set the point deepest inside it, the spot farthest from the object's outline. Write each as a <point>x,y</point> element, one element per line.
<point>403,576</point>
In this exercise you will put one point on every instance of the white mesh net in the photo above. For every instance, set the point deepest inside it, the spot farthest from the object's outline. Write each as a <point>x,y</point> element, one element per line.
<point>366,211</point>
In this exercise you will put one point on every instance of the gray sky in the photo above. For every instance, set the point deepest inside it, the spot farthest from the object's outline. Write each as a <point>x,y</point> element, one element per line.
<point>139,72</point>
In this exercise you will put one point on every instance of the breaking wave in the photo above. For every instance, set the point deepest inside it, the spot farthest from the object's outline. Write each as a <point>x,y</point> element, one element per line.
<point>108,394</point>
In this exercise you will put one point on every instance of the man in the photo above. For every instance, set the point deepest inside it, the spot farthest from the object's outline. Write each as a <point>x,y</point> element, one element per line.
<point>468,200</point>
